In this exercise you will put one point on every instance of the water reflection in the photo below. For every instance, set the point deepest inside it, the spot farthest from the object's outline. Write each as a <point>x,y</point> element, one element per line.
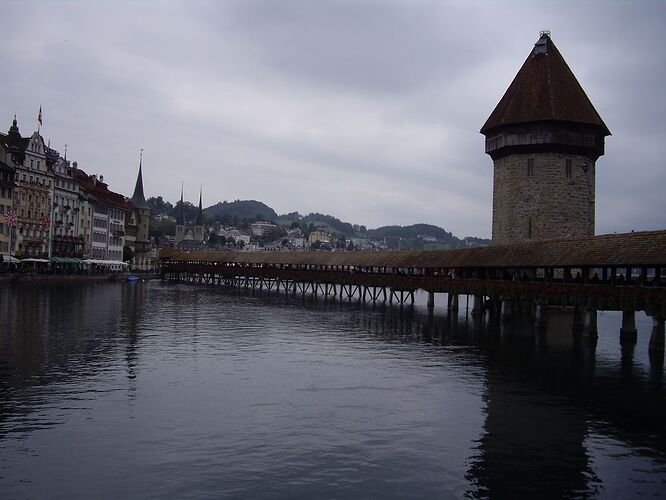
<point>546,405</point>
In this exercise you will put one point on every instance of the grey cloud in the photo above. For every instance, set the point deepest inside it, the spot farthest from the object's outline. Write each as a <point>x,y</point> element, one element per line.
<point>368,110</point>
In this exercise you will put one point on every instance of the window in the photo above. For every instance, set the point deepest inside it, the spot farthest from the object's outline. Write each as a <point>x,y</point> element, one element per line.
<point>529,227</point>
<point>530,167</point>
<point>567,168</point>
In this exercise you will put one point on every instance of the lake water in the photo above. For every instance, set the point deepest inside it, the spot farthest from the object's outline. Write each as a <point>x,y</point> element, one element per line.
<point>149,390</point>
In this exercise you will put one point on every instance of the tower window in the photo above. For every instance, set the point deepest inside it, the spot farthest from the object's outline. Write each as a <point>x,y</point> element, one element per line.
<point>567,168</point>
<point>529,227</point>
<point>530,167</point>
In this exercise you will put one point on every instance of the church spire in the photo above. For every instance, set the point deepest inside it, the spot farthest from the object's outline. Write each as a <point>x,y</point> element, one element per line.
<point>200,212</point>
<point>181,218</point>
<point>138,199</point>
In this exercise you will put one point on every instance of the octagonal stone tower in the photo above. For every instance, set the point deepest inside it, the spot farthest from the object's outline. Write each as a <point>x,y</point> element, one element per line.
<point>544,137</point>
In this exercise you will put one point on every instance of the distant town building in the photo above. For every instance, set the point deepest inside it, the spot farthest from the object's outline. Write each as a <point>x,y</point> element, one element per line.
<point>319,235</point>
<point>261,227</point>
<point>544,137</point>
<point>235,235</point>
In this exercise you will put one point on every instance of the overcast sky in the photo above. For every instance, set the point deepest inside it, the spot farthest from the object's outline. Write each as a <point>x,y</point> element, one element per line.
<point>366,110</point>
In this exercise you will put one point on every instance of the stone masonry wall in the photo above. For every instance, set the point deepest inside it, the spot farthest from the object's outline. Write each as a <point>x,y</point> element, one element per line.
<point>547,204</point>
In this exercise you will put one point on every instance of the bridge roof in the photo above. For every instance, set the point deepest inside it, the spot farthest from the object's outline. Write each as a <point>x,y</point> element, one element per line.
<point>646,248</point>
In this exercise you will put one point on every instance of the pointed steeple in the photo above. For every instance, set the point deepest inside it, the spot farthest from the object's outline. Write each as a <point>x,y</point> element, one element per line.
<point>544,90</point>
<point>181,216</point>
<point>200,212</point>
<point>138,199</point>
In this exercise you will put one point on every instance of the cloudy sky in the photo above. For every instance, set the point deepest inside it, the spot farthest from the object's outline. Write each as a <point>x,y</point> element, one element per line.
<point>368,110</point>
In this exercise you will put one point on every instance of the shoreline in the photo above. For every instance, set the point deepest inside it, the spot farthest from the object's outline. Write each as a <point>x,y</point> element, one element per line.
<point>71,278</point>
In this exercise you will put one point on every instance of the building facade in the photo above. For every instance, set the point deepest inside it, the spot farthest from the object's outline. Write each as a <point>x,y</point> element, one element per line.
<point>105,212</point>
<point>6,201</point>
<point>544,137</point>
<point>33,194</point>
<point>68,207</point>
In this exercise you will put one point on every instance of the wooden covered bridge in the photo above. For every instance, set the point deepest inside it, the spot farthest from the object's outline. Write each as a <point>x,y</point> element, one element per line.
<point>623,272</point>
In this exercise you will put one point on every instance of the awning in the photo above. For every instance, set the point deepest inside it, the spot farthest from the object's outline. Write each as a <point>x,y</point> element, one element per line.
<point>8,258</point>
<point>105,262</point>
<point>65,260</point>
<point>34,260</point>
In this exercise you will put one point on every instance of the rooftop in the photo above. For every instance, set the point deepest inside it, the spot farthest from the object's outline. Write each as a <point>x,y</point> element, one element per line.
<point>545,89</point>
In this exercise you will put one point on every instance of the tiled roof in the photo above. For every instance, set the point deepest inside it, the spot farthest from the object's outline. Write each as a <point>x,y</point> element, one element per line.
<point>636,249</point>
<point>545,89</point>
<point>100,190</point>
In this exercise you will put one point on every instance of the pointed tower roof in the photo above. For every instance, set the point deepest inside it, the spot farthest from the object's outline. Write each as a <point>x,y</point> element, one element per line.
<point>545,89</point>
<point>181,215</point>
<point>138,199</point>
<point>14,130</point>
<point>200,212</point>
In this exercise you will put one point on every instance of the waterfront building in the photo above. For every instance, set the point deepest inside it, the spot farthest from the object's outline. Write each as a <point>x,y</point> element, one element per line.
<point>68,237</point>
<point>138,226</point>
<point>107,212</point>
<point>86,202</point>
<point>6,201</point>
<point>544,137</point>
<point>33,194</point>
<point>190,236</point>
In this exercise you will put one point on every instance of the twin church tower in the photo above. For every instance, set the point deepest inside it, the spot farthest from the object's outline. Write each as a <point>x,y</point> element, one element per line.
<point>544,137</point>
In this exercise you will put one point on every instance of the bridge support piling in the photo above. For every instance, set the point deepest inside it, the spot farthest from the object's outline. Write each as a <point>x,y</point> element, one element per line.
<point>590,328</point>
<point>578,321</point>
<point>657,336</point>
<point>431,300</point>
<point>453,302</point>
<point>540,318</point>
<point>477,309</point>
<point>628,332</point>
<point>506,310</point>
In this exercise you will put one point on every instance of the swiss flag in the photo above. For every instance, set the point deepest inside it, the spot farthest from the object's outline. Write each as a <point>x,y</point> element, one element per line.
<point>39,117</point>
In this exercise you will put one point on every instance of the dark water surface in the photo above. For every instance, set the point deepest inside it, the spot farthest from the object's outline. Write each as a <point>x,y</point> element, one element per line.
<point>159,390</point>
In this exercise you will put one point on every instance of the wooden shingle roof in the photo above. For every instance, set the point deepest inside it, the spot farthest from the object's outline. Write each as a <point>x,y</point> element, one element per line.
<point>636,249</point>
<point>545,89</point>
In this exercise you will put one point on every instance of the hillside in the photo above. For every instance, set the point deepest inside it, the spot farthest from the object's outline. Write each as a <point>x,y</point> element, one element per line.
<point>242,209</point>
<point>244,212</point>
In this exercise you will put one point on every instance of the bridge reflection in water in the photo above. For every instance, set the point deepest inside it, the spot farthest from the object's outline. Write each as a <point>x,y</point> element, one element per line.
<point>625,272</point>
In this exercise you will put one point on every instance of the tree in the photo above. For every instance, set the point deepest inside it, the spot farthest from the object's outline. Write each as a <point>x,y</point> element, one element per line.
<point>158,206</point>
<point>162,227</point>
